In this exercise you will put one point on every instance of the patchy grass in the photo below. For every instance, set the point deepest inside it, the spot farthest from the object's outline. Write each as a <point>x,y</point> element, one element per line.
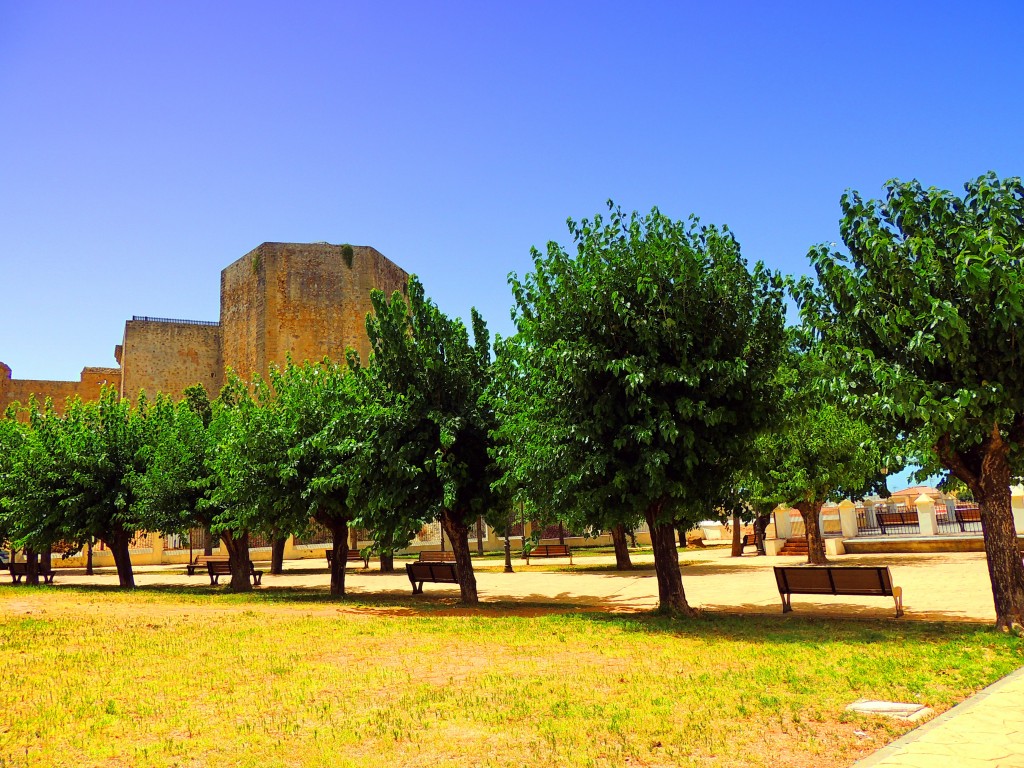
<point>171,677</point>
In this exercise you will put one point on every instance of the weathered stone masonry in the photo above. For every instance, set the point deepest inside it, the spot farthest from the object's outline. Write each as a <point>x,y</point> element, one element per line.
<point>307,299</point>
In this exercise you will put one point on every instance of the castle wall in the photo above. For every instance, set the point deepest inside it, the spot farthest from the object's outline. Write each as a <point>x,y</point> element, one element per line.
<point>306,299</point>
<point>87,387</point>
<point>302,299</point>
<point>168,356</point>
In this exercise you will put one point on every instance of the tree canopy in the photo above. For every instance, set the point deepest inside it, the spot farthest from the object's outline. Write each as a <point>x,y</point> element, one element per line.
<point>430,433</point>
<point>922,316</point>
<point>644,367</point>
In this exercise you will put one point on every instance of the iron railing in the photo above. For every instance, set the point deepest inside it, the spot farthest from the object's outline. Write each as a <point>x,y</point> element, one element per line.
<point>174,321</point>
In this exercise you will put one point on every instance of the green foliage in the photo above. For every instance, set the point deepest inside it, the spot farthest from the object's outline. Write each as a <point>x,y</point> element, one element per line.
<point>923,314</point>
<point>642,368</point>
<point>820,451</point>
<point>289,454</point>
<point>347,253</point>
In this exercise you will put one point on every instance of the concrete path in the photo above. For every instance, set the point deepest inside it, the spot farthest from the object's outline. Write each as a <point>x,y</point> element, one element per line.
<point>986,731</point>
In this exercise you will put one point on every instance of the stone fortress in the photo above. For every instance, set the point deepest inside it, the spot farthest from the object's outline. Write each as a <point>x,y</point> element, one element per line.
<point>306,299</point>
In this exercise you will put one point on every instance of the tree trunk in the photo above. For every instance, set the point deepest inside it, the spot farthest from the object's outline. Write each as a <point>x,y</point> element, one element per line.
<point>238,556</point>
<point>681,533</point>
<point>88,557</point>
<point>31,567</point>
<point>208,542</point>
<point>458,535</point>
<point>737,537</point>
<point>387,562</point>
<point>339,555</point>
<point>46,559</point>
<point>561,533</point>
<point>622,561</point>
<point>118,543</point>
<point>1005,569</point>
<point>479,535</point>
<point>810,511</point>
<point>277,555</point>
<point>671,597</point>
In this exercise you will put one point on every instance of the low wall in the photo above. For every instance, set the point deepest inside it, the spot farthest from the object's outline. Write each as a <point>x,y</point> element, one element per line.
<point>895,544</point>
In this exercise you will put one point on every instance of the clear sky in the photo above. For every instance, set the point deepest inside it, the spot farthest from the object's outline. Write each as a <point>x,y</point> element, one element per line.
<point>145,146</point>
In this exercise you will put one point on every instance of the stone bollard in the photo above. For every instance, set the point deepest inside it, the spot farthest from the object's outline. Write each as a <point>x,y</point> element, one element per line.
<point>926,515</point>
<point>783,528</point>
<point>848,518</point>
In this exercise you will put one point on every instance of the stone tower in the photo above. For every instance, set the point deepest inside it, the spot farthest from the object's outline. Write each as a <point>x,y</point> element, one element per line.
<point>307,299</point>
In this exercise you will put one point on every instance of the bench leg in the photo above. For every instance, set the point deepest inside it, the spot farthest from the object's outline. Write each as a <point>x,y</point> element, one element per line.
<point>256,579</point>
<point>787,603</point>
<point>49,579</point>
<point>897,596</point>
<point>213,580</point>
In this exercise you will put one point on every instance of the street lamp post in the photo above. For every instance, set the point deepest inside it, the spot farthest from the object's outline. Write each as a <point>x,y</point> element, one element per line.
<point>508,545</point>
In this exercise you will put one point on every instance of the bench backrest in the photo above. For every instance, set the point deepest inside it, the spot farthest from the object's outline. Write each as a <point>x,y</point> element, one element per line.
<point>21,569</point>
<point>219,567</point>
<point>435,556</point>
<point>204,559</point>
<point>834,580</point>
<point>897,518</point>
<point>432,571</point>
<point>350,554</point>
<point>967,514</point>
<point>551,549</point>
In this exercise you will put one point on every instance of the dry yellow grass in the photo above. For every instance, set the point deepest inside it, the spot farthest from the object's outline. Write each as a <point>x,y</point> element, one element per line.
<point>170,678</point>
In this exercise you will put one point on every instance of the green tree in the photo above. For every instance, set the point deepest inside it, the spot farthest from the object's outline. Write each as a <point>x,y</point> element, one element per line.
<point>427,437</point>
<point>102,451</point>
<point>30,483</point>
<point>924,317</point>
<point>818,452</point>
<point>294,458</point>
<point>645,365</point>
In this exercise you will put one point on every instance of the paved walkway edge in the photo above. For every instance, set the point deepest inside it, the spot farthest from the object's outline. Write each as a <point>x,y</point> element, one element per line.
<point>893,749</point>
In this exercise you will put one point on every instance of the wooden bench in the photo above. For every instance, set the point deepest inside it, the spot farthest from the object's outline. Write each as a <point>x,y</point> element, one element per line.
<point>218,568</point>
<point>351,556</point>
<point>20,571</point>
<point>893,519</point>
<point>549,550</point>
<point>749,540</point>
<point>438,573</point>
<point>202,560</point>
<point>836,580</point>
<point>964,515</point>
<point>436,556</point>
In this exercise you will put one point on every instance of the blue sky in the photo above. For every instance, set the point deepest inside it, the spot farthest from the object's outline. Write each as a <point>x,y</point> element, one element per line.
<point>145,146</point>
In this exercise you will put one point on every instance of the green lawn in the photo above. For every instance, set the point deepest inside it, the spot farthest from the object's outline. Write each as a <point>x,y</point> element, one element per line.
<point>168,677</point>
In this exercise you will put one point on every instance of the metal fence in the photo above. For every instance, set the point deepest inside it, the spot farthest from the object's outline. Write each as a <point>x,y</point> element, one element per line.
<point>315,534</point>
<point>174,321</point>
<point>901,519</point>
